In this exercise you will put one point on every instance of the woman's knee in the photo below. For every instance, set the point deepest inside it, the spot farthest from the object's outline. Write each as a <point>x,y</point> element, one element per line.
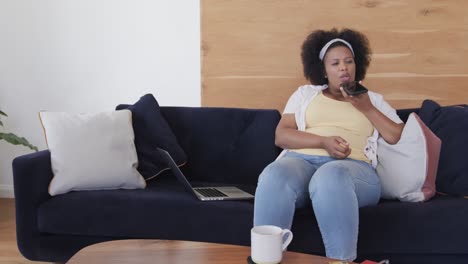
<point>283,167</point>
<point>276,172</point>
<point>284,172</point>
<point>331,176</point>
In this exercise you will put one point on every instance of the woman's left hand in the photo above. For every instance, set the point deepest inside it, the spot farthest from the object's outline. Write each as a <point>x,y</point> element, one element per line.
<point>361,102</point>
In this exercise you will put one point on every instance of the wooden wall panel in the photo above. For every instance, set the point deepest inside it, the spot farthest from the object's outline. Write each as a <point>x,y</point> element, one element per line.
<point>251,48</point>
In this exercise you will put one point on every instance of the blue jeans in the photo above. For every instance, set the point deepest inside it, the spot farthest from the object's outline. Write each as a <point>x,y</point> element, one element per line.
<point>336,188</point>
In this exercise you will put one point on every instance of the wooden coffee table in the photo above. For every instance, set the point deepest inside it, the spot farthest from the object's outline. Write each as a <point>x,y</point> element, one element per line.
<point>174,252</point>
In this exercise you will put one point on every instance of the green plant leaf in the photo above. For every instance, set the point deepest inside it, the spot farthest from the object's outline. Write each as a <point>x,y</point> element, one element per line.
<point>15,140</point>
<point>1,123</point>
<point>3,113</point>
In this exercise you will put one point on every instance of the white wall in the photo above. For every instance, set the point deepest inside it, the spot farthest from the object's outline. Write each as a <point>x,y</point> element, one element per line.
<point>90,55</point>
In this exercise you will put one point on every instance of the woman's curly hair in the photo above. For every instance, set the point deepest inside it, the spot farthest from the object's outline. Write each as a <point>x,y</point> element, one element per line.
<point>314,70</point>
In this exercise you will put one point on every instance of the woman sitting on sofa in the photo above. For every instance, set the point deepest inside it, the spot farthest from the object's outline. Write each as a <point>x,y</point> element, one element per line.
<point>330,142</point>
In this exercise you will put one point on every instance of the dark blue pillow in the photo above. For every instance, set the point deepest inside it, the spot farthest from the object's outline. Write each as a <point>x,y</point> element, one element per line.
<point>450,124</point>
<point>152,131</point>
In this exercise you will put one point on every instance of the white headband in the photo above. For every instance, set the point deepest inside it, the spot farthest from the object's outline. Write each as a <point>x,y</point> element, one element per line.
<point>325,48</point>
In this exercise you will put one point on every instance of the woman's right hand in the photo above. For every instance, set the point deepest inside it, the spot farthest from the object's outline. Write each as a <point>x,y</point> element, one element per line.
<point>336,146</point>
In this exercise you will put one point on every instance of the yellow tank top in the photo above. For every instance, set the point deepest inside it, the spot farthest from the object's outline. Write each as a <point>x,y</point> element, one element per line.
<point>328,117</point>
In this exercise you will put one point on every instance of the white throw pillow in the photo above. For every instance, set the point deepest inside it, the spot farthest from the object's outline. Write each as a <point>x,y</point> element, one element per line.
<point>407,170</point>
<point>91,151</point>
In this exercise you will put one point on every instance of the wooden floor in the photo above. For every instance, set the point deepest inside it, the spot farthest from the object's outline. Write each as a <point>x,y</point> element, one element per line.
<point>8,249</point>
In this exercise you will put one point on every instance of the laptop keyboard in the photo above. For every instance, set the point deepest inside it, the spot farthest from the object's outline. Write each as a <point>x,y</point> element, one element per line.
<point>210,192</point>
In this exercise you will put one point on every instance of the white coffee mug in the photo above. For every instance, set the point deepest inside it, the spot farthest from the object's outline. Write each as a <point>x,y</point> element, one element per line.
<point>267,244</point>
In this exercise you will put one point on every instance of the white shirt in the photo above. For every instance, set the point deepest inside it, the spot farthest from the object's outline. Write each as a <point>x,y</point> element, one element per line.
<point>300,99</point>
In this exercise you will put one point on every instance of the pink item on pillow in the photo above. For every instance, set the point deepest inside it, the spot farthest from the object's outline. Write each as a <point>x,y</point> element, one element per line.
<point>433,145</point>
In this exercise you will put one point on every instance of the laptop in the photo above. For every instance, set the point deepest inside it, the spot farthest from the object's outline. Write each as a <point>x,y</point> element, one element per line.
<point>205,193</point>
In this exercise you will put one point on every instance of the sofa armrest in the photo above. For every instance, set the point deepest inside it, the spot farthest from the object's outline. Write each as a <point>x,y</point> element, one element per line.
<point>32,174</point>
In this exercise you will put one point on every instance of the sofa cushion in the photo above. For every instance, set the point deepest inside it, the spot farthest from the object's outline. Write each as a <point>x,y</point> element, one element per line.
<point>437,226</point>
<point>407,169</point>
<point>91,151</point>
<point>163,210</point>
<point>151,132</point>
<point>396,228</point>
<point>450,124</point>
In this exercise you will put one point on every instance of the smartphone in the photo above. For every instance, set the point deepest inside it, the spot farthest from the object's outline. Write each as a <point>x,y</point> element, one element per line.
<point>354,88</point>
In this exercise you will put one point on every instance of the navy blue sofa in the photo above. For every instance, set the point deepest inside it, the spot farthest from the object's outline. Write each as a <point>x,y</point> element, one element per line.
<point>230,146</point>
